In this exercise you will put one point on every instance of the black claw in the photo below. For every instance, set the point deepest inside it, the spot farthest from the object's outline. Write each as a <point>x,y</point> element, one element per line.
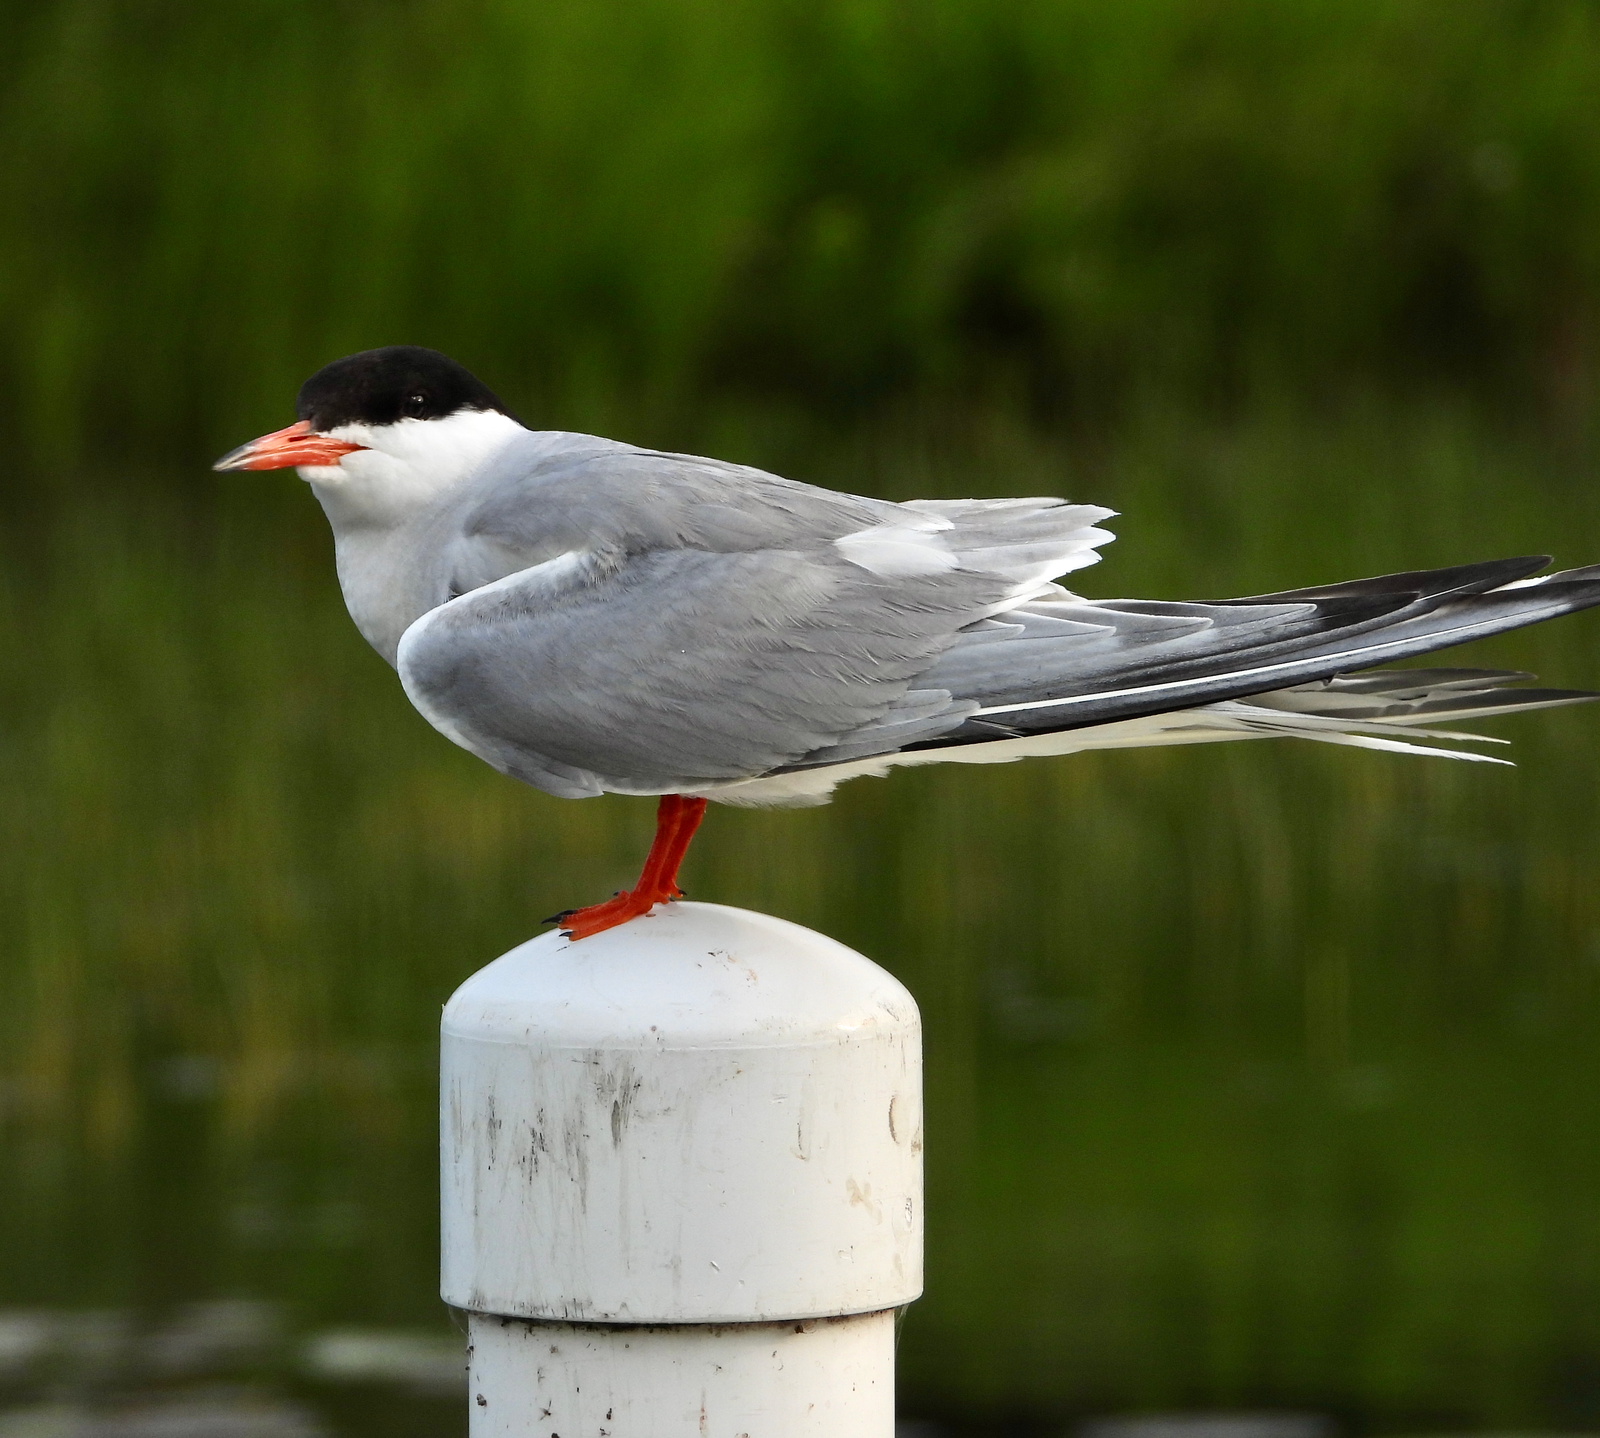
<point>568,913</point>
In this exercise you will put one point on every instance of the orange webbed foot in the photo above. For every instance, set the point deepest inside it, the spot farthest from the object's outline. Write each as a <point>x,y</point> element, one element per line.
<point>595,919</point>
<point>676,820</point>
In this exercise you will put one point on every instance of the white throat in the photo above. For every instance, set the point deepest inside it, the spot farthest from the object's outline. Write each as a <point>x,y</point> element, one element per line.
<point>404,468</point>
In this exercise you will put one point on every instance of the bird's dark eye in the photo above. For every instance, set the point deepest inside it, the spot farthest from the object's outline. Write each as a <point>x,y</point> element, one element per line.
<point>415,407</point>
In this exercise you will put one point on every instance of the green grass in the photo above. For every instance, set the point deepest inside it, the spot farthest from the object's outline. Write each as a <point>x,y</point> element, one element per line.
<point>1258,1075</point>
<point>668,216</point>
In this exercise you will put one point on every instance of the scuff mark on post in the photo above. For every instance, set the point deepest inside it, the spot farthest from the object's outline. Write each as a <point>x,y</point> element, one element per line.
<point>619,1087</point>
<point>535,1146</point>
<point>491,1128</point>
<point>861,1193</point>
<point>574,1143</point>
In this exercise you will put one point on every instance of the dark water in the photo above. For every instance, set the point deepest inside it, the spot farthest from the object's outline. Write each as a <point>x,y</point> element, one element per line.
<point>1259,1077</point>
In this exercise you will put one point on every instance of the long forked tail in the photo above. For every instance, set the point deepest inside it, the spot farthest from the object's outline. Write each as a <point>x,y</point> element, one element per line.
<point>1069,663</point>
<point>1386,709</point>
<point>1061,674</point>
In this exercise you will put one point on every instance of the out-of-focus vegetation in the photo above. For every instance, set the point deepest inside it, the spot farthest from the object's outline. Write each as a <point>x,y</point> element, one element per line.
<point>1255,1077</point>
<point>671,216</point>
<point>1258,1076</point>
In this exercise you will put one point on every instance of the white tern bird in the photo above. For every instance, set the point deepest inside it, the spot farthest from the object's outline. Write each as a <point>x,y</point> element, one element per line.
<point>590,617</point>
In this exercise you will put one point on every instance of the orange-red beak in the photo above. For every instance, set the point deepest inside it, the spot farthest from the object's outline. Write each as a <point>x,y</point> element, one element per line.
<point>286,448</point>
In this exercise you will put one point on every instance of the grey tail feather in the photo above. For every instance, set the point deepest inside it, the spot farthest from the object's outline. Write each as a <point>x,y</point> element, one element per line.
<point>1428,610</point>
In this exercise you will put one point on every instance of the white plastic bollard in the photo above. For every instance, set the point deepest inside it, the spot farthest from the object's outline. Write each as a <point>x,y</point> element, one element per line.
<point>681,1169</point>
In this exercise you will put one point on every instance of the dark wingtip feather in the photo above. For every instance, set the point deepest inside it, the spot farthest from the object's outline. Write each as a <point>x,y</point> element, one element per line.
<point>1458,579</point>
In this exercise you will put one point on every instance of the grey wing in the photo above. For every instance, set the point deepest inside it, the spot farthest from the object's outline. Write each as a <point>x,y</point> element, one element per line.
<point>1137,656</point>
<point>557,492</point>
<point>673,666</point>
<point>1052,666</point>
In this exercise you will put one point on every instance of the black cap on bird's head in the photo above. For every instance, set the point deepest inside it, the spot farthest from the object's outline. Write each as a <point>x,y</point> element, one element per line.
<point>385,385</point>
<point>371,389</point>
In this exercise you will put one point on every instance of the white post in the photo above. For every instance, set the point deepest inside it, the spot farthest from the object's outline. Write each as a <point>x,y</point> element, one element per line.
<point>682,1181</point>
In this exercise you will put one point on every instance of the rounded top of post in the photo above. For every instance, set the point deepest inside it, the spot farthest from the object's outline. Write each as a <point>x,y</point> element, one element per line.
<point>686,976</point>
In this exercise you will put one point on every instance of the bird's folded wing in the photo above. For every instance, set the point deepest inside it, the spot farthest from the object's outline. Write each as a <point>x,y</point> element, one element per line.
<point>669,646</point>
<point>1129,657</point>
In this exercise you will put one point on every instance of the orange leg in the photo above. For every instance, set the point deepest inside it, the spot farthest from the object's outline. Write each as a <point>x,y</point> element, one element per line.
<point>676,820</point>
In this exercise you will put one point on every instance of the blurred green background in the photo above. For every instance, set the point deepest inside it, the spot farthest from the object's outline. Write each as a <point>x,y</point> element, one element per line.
<point>1259,1077</point>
